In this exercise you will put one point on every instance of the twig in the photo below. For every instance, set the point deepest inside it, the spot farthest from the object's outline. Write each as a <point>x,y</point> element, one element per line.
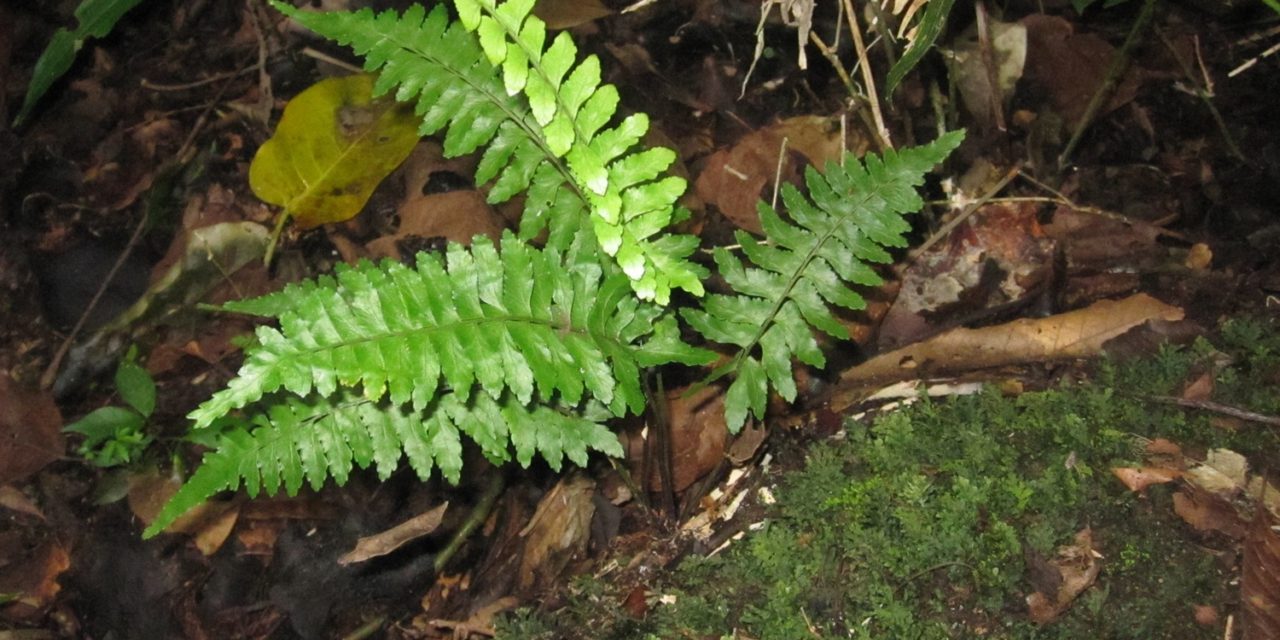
<point>478,515</point>
<point>1119,64</point>
<point>882,133</point>
<point>155,86</point>
<point>989,65</point>
<point>1204,92</point>
<point>324,57</point>
<point>777,174</point>
<point>828,52</point>
<point>954,222</point>
<point>1227,410</point>
<point>1063,200</point>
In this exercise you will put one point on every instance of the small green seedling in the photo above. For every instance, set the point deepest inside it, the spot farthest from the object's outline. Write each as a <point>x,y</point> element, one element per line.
<point>115,435</point>
<point>96,19</point>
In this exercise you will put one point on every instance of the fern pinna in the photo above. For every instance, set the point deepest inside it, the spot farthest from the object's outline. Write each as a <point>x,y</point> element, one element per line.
<point>542,121</point>
<point>523,347</point>
<point>528,351</point>
<point>857,210</point>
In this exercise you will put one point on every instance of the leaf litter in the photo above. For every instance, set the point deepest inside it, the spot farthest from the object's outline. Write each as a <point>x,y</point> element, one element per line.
<point>109,138</point>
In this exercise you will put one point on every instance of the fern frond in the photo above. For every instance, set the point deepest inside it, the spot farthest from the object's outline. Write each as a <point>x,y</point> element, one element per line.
<point>311,440</point>
<point>519,321</point>
<point>554,146</point>
<point>856,212</point>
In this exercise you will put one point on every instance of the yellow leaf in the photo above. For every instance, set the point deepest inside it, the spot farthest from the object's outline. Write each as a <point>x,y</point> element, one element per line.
<point>333,145</point>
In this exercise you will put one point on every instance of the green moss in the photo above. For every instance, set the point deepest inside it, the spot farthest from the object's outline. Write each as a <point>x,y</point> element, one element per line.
<point>918,525</point>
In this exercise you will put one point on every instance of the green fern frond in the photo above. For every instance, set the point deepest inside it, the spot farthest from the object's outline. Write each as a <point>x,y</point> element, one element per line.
<point>309,441</point>
<point>856,212</point>
<point>520,320</point>
<point>541,121</point>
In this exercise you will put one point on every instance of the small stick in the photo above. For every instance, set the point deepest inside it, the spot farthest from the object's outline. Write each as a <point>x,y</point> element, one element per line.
<point>1227,410</point>
<point>882,132</point>
<point>949,226</point>
<point>155,86</point>
<point>777,175</point>
<point>478,515</point>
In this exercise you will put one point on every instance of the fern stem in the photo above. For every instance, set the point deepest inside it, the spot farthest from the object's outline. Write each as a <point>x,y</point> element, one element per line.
<point>479,513</point>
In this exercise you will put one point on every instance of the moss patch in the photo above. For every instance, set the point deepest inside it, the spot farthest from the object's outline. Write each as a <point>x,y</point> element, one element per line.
<point>927,522</point>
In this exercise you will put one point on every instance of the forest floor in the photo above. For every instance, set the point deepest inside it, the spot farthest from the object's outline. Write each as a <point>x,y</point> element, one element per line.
<point>1059,418</point>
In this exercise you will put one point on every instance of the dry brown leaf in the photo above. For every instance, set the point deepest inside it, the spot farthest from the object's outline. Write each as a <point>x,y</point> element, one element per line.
<point>210,523</point>
<point>1070,67</point>
<point>733,179</point>
<point>1076,334</point>
<point>1137,480</point>
<point>1164,448</point>
<point>1207,512</point>
<point>558,530</point>
<point>13,499</point>
<point>1260,580</point>
<point>1205,615</point>
<point>456,215</point>
<point>997,256</point>
<point>35,581</point>
<point>30,431</point>
<point>1223,473</point>
<point>565,14</point>
<point>383,543</point>
<point>698,437</point>
<point>1077,565</point>
<point>1199,389</point>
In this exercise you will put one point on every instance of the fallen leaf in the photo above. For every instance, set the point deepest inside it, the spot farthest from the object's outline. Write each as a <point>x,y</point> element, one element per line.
<point>334,144</point>
<point>1199,389</point>
<point>149,491</point>
<point>1008,44</point>
<point>1077,565</point>
<point>1137,480</point>
<point>15,500</point>
<point>1076,334</point>
<point>35,581</point>
<point>698,438</point>
<point>1207,512</point>
<point>30,431</point>
<point>565,14</point>
<point>1260,578</point>
<point>559,530</point>
<point>383,543</point>
<point>732,179</point>
<point>1070,67</point>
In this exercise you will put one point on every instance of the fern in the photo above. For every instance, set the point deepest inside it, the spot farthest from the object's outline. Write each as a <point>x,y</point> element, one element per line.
<point>525,351</point>
<point>857,210</point>
<point>505,347</point>
<point>315,438</point>
<point>554,145</point>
